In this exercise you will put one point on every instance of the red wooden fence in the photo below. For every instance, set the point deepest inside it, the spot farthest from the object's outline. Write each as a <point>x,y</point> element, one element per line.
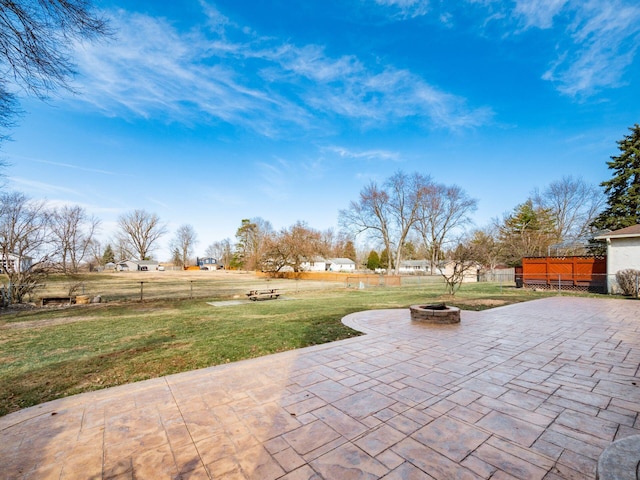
<point>576,273</point>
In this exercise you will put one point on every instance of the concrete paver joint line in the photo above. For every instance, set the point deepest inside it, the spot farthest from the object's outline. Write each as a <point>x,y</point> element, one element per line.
<point>535,390</point>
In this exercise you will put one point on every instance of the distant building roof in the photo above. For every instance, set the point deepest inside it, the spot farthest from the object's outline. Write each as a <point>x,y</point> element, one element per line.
<point>317,259</point>
<point>139,262</point>
<point>343,261</point>
<point>632,231</point>
<point>414,263</point>
<point>146,262</point>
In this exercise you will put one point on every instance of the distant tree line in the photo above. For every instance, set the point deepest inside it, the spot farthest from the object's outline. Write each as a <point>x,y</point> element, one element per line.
<point>259,247</point>
<point>432,221</point>
<point>408,216</point>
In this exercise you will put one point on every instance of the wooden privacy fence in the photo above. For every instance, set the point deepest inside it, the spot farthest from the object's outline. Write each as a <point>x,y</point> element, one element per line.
<point>568,273</point>
<point>350,279</point>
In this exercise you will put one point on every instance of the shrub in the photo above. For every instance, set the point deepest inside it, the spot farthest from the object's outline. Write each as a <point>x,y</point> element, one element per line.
<point>628,281</point>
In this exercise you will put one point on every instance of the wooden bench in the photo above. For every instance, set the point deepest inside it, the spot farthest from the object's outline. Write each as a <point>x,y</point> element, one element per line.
<point>255,295</point>
<point>56,301</point>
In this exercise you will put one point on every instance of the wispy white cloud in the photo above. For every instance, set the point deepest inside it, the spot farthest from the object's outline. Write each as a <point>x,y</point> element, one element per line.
<point>89,207</point>
<point>40,188</point>
<point>538,13</point>
<point>383,155</point>
<point>226,197</point>
<point>603,41</point>
<point>68,166</point>
<point>252,82</point>
<point>406,8</point>
<point>216,21</point>
<point>273,179</point>
<point>160,203</point>
<point>84,169</point>
<point>596,41</point>
<point>349,89</point>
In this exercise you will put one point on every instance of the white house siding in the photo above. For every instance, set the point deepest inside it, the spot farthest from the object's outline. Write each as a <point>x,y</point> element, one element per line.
<point>127,265</point>
<point>15,263</point>
<point>133,266</point>
<point>622,253</point>
<point>414,266</point>
<point>147,265</point>
<point>317,265</point>
<point>470,276</point>
<point>342,265</point>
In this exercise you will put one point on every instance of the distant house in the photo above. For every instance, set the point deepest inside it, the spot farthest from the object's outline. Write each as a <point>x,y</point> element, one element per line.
<point>470,275</point>
<point>319,264</point>
<point>15,263</point>
<point>623,252</point>
<point>126,265</point>
<point>208,263</point>
<point>414,266</point>
<point>137,265</point>
<point>316,264</point>
<point>342,265</point>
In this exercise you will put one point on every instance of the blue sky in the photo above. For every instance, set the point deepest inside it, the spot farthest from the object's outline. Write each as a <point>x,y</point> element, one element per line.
<point>210,112</point>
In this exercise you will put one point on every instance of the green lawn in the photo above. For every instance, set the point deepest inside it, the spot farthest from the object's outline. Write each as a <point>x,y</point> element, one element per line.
<point>51,353</point>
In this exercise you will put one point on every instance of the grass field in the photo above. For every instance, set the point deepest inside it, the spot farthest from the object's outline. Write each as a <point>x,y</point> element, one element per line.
<point>47,353</point>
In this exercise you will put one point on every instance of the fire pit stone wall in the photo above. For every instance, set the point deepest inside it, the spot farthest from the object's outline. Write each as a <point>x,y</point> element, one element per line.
<point>435,314</point>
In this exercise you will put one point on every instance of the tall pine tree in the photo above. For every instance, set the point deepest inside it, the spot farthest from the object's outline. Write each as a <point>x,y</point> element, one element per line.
<point>623,190</point>
<point>373,262</point>
<point>527,232</point>
<point>108,256</point>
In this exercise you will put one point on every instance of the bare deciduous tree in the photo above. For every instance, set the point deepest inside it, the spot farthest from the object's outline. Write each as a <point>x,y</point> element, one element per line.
<point>337,244</point>
<point>487,247</point>
<point>443,211</point>
<point>120,248</point>
<point>183,243</point>
<point>462,262</point>
<point>24,229</point>
<point>387,213</point>
<point>72,234</point>
<point>573,204</point>
<point>139,233</point>
<point>221,250</point>
<point>36,37</point>
<point>291,247</point>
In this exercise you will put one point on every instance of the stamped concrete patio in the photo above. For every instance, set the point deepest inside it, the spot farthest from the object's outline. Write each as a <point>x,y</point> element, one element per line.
<point>527,391</point>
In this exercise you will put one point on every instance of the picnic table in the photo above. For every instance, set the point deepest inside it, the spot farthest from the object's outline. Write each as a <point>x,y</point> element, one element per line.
<point>268,294</point>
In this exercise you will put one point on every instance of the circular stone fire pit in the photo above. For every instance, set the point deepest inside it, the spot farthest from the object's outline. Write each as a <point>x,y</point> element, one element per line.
<point>438,314</point>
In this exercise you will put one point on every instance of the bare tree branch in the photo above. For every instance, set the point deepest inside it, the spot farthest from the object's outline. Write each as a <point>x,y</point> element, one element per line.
<point>36,38</point>
<point>24,237</point>
<point>139,233</point>
<point>72,232</point>
<point>387,213</point>
<point>184,242</point>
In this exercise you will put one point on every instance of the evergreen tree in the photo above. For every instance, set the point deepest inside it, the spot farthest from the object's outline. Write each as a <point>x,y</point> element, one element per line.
<point>623,190</point>
<point>385,260</point>
<point>373,261</point>
<point>409,251</point>
<point>527,232</point>
<point>108,256</point>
